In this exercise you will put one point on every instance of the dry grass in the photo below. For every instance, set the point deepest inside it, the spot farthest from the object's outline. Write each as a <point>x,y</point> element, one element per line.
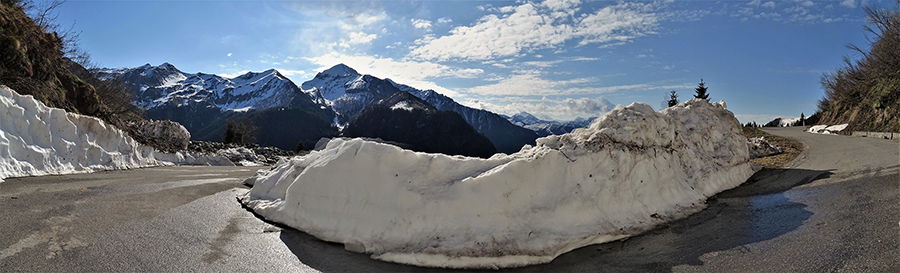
<point>791,147</point>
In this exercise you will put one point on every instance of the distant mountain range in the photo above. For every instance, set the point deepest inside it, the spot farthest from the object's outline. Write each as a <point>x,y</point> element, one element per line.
<point>548,127</point>
<point>204,102</point>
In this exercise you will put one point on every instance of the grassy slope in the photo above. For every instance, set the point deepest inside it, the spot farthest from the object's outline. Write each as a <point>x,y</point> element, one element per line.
<point>32,63</point>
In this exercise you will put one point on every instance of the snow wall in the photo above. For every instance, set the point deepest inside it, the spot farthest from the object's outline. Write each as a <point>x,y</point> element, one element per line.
<point>39,140</point>
<point>629,171</point>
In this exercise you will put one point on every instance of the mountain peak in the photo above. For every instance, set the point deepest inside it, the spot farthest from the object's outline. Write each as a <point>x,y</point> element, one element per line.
<point>340,70</point>
<point>524,114</point>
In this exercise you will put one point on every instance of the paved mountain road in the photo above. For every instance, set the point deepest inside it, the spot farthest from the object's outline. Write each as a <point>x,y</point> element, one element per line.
<point>834,209</point>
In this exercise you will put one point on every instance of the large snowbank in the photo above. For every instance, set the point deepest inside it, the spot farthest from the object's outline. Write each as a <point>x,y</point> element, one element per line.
<point>39,140</point>
<point>630,170</point>
<point>827,130</point>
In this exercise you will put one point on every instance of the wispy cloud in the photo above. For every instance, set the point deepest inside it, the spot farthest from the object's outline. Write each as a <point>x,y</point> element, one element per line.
<point>796,11</point>
<point>849,3</point>
<point>421,23</point>
<point>536,83</point>
<point>533,26</point>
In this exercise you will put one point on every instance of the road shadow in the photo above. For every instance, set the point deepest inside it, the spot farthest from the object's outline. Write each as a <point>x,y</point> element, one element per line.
<point>756,211</point>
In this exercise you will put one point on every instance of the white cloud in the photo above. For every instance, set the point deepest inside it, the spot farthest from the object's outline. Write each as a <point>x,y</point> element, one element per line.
<point>805,3</point>
<point>565,109</point>
<point>421,23</point>
<point>528,83</point>
<point>769,4</point>
<point>584,59</point>
<point>542,64</point>
<point>229,54</point>
<point>233,74</point>
<point>289,73</point>
<point>588,105</point>
<point>849,3</point>
<point>535,83</point>
<point>754,3</point>
<point>561,4</point>
<point>361,38</point>
<point>530,27</point>
<point>415,74</point>
<point>444,20</point>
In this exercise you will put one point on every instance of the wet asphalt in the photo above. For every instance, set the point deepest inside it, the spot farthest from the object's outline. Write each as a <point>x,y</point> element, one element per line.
<point>834,209</point>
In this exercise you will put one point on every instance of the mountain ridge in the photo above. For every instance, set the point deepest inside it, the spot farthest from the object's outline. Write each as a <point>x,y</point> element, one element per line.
<point>338,93</point>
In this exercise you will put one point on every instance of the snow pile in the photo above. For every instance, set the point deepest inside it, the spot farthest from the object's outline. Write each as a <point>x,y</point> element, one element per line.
<point>759,147</point>
<point>194,158</point>
<point>630,170</point>
<point>39,140</point>
<point>242,156</point>
<point>827,130</point>
<point>168,131</point>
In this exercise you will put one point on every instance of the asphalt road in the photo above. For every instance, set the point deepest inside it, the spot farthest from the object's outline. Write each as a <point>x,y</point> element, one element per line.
<point>834,209</point>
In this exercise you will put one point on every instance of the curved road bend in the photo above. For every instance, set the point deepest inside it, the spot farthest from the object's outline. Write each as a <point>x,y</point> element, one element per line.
<point>834,209</point>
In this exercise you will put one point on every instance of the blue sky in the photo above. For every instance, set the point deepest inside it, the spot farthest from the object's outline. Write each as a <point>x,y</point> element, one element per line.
<point>555,59</point>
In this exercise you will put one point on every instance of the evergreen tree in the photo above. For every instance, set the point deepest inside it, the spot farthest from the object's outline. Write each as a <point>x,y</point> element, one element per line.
<point>701,91</point>
<point>802,120</point>
<point>673,98</point>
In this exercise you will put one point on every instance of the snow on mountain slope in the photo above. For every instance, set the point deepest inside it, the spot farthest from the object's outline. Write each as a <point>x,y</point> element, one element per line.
<point>166,85</point>
<point>346,91</point>
<point>631,170</point>
<point>548,127</point>
<point>349,92</point>
<point>39,140</point>
<point>525,118</point>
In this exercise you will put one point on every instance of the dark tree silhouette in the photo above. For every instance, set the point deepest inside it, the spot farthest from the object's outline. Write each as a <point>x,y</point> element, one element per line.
<point>701,91</point>
<point>673,98</point>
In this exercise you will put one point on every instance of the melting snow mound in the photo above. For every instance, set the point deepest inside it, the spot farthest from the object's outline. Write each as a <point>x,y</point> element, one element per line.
<point>631,170</point>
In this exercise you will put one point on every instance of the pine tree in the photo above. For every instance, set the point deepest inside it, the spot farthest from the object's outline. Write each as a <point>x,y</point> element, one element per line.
<point>802,120</point>
<point>701,91</point>
<point>673,98</point>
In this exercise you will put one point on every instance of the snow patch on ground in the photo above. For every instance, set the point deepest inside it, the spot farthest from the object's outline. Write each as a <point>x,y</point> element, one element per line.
<point>402,105</point>
<point>760,147</point>
<point>827,130</point>
<point>629,171</point>
<point>39,140</point>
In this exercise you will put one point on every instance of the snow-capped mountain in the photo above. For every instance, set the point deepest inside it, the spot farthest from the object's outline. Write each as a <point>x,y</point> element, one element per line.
<point>162,85</point>
<point>548,127</point>
<point>202,102</point>
<point>348,93</point>
<point>783,122</point>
